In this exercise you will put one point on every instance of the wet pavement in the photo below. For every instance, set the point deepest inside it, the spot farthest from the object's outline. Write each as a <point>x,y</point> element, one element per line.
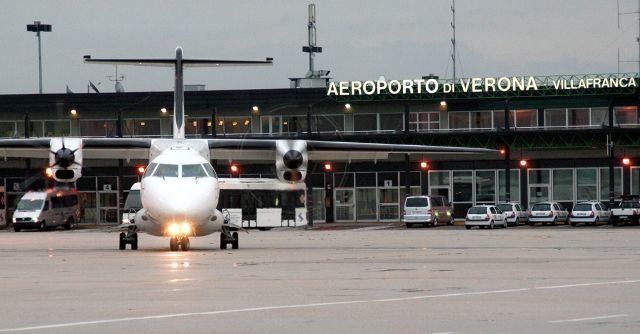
<point>369,278</point>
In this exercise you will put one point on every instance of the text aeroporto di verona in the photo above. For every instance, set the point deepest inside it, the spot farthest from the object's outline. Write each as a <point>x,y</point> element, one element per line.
<point>471,85</point>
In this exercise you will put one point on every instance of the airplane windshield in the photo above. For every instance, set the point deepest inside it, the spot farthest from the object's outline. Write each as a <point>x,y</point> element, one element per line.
<point>165,170</point>
<point>210,170</point>
<point>150,169</point>
<point>194,170</point>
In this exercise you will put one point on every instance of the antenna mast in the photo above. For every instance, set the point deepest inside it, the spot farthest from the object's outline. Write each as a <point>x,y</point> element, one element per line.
<point>117,80</point>
<point>312,49</point>
<point>637,38</point>
<point>453,40</point>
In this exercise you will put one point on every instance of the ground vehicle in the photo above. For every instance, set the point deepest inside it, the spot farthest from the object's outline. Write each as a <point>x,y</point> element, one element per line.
<point>589,213</point>
<point>514,213</point>
<point>132,204</point>
<point>484,216</point>
<point>427,210</point>
<point>50,208</point>
<point>548,212</point>
<point>627,211</point>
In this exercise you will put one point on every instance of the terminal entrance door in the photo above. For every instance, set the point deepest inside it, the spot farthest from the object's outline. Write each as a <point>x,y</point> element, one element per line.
<point>344,202</point>
<point>107,200</point>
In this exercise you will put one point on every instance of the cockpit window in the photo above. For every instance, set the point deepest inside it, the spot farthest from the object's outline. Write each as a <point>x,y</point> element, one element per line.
<point>165,170</point>
<point>150,169</point>
<point>194,170</point>
<point>210,170</point>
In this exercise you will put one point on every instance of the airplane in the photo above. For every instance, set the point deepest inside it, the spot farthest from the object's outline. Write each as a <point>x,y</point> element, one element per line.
<point>180,189</point>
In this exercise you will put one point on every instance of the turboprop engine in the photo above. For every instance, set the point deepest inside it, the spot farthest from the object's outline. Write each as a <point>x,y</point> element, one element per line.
<point>65,159</point>
<point>291,160</point>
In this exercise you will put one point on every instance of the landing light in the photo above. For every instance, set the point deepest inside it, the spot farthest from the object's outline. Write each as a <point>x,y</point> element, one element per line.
<point>185,228</point>
<point>174,229</point>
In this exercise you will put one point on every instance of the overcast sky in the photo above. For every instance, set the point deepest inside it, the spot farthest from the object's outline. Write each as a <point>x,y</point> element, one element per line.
<point>361,40</point>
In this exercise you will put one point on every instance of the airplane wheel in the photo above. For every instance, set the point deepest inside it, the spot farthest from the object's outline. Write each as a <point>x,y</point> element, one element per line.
<point>223,241</point>
<point>134,243</point>
<point>184,245</point>
<point>173,244</point>
<point>122,245</point>
<point>235,243</point>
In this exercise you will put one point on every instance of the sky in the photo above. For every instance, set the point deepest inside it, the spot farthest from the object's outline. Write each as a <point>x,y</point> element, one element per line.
<point>361,40</point>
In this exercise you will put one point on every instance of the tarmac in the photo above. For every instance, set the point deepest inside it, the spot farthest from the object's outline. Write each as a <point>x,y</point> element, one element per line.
<point>372,278</point>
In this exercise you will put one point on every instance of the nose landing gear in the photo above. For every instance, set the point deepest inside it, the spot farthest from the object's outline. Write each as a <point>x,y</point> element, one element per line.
<point>131,237</point>
<point>179,241</point>
<point>227,237</point>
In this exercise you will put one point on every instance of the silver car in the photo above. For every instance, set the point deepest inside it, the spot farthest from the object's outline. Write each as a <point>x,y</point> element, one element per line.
<point>548,213</point>
<point>484,216</point>
<point>589,213</point>
<point>514,213</point>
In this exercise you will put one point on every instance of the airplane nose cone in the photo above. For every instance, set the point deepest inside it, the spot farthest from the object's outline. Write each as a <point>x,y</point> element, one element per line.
<point>180,201</point>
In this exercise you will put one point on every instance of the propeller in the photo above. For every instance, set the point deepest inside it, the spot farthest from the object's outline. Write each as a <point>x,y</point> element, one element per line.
<point>65,157</point>
<point>292,159</point>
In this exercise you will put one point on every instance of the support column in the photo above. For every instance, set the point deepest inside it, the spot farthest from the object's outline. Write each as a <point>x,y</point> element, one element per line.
<point>407,175</point>
<point>309,111</point>
<point>610,144</point>
<point>309,198</point>
<point>214,122</point>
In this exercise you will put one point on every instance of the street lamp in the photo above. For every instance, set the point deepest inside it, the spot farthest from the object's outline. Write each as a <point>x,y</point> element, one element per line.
<point>37,27</point>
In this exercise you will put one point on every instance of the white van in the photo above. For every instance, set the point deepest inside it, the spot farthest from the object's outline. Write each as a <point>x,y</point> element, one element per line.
<point>50,208</point>
<point>427,210</point>
<point>132,204</point>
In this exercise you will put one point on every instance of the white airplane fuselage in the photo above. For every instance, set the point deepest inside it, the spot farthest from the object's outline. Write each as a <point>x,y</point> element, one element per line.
<point>176,191</point>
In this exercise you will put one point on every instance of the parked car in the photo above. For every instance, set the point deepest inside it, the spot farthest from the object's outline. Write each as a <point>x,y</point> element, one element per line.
<point>514,213</point>
<point>43,209</point>
<point>627,211</point>
<point>590,213</point>
<point>485,216</point>
<point>548,213</point>
<point>427,210</point>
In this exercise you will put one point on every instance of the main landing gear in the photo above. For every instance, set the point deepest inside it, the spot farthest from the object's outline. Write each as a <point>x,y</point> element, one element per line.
<point>228,237</point>
<point>131,237</point>
<point>179,241</point>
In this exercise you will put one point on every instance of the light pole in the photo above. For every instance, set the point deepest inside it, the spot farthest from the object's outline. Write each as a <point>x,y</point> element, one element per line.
<point>37,27</point>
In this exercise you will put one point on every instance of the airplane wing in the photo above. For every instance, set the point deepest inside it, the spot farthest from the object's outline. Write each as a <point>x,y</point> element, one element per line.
<point>92,148</point>
<point>257,184</point>
<point>264,149</point>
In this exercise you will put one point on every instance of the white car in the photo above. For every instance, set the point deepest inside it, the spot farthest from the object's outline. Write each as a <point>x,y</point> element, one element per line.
<point>514,213</point>
<point>548,213</point>
<point>589,213</point>
<point>484,216</point>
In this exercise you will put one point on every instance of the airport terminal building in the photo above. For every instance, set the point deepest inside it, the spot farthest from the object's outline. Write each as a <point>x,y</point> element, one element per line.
<point>566,141</point>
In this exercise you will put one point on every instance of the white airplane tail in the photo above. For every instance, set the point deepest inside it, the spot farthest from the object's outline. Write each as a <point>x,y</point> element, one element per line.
<point>178,63</point>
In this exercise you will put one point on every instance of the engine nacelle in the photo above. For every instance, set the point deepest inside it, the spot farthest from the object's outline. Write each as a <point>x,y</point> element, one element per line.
<point>291,160</point>
<point>65,159</point>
